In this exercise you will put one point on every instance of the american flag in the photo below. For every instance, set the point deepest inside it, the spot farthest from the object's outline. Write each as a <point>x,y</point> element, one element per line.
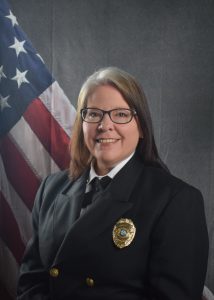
<point>36,119</point>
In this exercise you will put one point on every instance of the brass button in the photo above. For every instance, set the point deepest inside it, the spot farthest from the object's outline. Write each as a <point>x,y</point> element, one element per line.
<point>89,282</point>
<point>54,272</point>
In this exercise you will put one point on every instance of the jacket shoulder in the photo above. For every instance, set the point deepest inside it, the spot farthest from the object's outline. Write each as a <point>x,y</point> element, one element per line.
<point>51,186</point>
<point>164,179</point>
<point>58,177</point>
<point>56,182</point>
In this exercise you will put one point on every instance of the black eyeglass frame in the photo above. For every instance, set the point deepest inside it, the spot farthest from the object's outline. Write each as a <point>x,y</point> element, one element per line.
<point>133,111</point>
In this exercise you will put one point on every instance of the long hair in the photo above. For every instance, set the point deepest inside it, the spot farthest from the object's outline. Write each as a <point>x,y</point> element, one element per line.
<point>133,94</point>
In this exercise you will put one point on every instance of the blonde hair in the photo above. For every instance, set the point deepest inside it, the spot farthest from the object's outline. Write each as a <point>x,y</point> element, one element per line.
<point>134,96</point>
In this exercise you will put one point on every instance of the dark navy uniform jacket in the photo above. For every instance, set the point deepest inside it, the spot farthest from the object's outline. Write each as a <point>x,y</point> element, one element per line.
<point>72,258</point>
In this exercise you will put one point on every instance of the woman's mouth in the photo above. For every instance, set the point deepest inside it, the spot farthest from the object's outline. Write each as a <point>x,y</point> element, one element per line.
<point>105,141</point>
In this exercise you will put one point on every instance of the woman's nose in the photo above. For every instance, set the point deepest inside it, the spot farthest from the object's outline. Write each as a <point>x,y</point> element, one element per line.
<point>106,123</point>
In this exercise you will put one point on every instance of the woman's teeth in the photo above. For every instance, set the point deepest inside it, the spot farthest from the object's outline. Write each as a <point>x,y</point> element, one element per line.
<point>106,140</point>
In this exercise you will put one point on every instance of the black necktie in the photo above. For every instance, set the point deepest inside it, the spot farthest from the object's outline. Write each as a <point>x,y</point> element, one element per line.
<point>97,186</point>
<point>104,182</point>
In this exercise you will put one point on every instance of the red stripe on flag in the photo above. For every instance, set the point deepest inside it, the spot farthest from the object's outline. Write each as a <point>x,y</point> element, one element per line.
<point>9,230</point>
<point>49,132</point>
<point>19,173</point>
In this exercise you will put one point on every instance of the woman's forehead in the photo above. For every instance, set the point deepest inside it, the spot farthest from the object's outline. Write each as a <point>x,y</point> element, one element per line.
<point>106,96</point>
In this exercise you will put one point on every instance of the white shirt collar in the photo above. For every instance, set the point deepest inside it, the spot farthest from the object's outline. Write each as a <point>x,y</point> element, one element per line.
<point>112,173</point>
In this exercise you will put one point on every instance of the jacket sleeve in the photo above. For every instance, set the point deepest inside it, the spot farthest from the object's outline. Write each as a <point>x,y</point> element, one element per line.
<point>180,249</point>
<point>33,280</point>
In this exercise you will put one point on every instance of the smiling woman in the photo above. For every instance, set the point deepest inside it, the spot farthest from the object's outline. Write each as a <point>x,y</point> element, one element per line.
<point>110,89</point>
<point>115,226</point>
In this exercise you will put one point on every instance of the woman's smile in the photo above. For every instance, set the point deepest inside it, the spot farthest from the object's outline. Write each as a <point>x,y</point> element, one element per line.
<point>106,141</point>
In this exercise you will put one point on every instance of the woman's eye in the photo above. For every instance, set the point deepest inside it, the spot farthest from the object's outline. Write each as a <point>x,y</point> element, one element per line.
<point>121,114</point>
<point>93,114</point>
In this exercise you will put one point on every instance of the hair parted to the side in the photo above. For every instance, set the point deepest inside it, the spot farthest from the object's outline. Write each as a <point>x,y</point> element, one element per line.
<point>134,96</point>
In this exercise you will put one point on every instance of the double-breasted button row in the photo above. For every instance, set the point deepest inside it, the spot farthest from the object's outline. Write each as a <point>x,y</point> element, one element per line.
<point>54,272</point>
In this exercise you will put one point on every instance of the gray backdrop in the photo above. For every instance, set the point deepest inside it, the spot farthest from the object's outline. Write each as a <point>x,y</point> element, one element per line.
<point>168,45</point>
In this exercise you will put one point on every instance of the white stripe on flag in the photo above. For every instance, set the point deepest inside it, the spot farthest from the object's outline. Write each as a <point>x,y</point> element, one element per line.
<point>32,150</point>
<point>54,99</point>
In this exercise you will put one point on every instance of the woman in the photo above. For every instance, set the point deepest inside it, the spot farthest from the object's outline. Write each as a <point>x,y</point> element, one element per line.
<point>143,236</point>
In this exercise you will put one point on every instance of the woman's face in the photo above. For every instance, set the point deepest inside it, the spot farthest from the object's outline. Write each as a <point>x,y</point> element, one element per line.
<point>108,142</point>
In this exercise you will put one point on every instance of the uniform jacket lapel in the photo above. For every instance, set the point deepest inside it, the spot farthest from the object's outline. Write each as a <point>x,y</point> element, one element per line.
<point>103,212</point>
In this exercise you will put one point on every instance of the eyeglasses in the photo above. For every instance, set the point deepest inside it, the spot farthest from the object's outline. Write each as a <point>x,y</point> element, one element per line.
<point>118,115</point>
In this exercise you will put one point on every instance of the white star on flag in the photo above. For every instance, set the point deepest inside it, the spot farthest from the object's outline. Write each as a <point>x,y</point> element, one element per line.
<point>18,46</point>
<point>3,102</point>
<point>2,75</point>
<point>20,77</point>
<point>12,18</point>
